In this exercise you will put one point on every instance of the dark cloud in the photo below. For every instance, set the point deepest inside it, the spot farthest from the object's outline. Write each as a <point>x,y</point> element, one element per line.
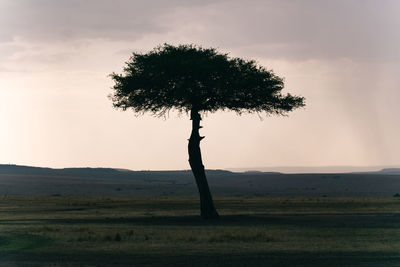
<point>289,29</point>
<point>71,19</point>
<point>310,29</point>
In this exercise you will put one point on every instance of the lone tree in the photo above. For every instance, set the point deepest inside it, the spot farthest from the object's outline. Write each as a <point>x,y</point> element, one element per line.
<point>189,78</point>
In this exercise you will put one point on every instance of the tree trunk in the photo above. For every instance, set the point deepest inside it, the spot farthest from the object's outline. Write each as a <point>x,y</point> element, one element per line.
<point>207,208</point>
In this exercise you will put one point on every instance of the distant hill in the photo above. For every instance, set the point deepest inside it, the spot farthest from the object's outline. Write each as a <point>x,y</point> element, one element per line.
<point>314,169</point>
<point>25,180</point>
<point>391,171</point>
<point>94,172</point>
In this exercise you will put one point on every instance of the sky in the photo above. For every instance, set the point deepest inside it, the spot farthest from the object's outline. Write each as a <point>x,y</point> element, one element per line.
<point>343,56</point>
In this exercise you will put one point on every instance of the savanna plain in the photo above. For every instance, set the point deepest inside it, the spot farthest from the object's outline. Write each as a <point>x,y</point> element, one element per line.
<point>168,231</point>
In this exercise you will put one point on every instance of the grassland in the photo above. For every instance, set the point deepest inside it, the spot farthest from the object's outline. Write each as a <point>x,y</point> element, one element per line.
<point>32,181</point>
<point>166,231</point>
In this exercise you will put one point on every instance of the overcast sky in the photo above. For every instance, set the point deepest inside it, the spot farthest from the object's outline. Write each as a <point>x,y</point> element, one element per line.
<point>343,56</point>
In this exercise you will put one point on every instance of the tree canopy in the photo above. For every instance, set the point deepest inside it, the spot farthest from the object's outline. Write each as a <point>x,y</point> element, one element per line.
<point>189,77</point>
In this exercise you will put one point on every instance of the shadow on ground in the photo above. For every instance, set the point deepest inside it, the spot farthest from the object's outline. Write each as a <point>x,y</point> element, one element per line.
<point>227,259</point>
<point>325,220</point>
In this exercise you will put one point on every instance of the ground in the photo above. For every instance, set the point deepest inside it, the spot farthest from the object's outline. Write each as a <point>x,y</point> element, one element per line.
<point>167,231</point>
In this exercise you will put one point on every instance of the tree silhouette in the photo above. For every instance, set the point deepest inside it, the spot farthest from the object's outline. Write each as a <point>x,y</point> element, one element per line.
<point>196,80</point>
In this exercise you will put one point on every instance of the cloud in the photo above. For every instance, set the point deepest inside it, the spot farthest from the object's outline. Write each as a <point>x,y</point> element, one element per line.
<point>55,20</point>
<point>7,50</point>
<point>290,30</point>
<point>298,30</point>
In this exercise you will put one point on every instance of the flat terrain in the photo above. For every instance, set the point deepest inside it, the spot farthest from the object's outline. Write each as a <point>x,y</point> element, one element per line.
<point>166,231</point>
<point>32,181</point>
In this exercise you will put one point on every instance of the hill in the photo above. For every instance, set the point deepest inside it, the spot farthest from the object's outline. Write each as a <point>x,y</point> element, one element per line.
<point>24,180</point>
<point>390,171</point>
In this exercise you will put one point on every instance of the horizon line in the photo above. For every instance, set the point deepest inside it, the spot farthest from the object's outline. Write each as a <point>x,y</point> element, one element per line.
<point>283,169</point>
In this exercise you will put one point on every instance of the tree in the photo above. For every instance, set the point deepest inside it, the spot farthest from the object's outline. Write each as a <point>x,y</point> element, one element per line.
<point>196,80</point>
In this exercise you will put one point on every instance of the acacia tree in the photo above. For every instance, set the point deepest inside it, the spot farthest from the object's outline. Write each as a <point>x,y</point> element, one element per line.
<point>196,80</point>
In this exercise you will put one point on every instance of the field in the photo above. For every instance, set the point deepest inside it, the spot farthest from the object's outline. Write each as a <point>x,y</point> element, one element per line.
<point>167,231</point>
<point>32,181</point>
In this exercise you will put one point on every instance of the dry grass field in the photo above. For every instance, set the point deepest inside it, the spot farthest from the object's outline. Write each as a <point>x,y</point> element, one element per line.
<point>167,231</point>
